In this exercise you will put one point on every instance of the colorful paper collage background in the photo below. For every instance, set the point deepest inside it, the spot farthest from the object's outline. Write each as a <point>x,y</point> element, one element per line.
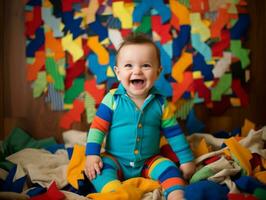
<point>71,51</point>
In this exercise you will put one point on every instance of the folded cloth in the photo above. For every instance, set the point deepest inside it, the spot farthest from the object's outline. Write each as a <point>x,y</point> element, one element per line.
<point>131,189</point>
<point>41,166</point>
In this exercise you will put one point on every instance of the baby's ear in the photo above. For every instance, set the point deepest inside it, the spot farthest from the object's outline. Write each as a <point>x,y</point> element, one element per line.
<point>159,70</point>
<point>116,69</point>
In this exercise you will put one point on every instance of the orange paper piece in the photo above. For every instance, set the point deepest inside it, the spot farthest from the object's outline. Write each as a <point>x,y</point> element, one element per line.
<point>180,11</point>
<point>221,21</point>
<point>181,65</point>
<point>180,88</point>
<point>74,115</point>
<point>97,92</point>
<point>248,125</point>
<point>96,47</point>
<point>54,45</point>
<point>201,149</point>
<point>33,69</point>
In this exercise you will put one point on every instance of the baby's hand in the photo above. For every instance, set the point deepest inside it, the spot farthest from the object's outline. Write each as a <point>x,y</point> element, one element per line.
<point>188,169</point>
<point>93,164</point>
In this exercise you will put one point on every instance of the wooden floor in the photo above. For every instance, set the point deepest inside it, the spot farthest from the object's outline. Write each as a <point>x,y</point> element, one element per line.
<point>18,108</point>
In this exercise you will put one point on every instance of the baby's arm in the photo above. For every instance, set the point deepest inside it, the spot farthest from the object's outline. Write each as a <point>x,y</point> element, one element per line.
<point>93,165</point>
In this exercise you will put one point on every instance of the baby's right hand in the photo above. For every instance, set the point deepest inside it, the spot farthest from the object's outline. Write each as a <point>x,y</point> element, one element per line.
<point>93,165</point>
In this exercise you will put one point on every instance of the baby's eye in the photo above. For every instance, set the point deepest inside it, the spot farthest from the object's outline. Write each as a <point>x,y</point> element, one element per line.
<point>128,65</point>
<point>146,65</point>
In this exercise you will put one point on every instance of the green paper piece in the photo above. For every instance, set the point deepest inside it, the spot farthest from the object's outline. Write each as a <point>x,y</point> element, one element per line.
<point>202,174</point>
<point>40,84</point>
<point>90,107</point>
<point>74,91</point>
<point>145,25</point>
<point>222,87</point>
<point>184,110</point>
<point>240,53</point>
<point>185,3</point>
<point>52,69</point>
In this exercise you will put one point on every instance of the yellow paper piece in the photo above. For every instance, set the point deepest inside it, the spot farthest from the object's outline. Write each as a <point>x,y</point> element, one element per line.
<point>197,26</point>
<point>181,65</point>
<point>74,47</point>
<point>124,13</point>
<point>102,53</point>
<point>91,10</point>
<point>110,72</point>
<point>241,154</point>
<point>248,125</point>
<point>197,74</point>
<point>235,101</point>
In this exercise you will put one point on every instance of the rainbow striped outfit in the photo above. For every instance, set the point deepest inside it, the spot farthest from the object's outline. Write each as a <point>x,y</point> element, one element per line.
<point>132,140</point>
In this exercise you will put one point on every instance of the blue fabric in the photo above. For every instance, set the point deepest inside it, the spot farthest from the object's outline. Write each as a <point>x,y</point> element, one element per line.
<point>249,184</point>
<point>9,185</point>
<point>206,190</point>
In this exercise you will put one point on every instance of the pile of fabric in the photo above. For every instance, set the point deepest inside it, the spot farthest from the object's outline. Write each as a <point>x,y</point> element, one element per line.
<point>232,167</point>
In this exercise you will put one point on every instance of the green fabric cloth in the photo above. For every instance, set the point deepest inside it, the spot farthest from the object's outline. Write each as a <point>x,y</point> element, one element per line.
<point>260,193</point>
<point>18,140</point>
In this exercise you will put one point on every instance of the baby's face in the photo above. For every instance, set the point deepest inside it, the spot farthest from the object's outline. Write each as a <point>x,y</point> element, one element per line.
<point>137,69</point>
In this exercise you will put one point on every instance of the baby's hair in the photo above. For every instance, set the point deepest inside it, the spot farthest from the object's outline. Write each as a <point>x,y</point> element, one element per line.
<point>139,38</point>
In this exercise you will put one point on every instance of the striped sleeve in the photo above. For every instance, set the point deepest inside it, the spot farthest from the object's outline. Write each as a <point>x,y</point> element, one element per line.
<point>174,134</point>
<point>100,125</point>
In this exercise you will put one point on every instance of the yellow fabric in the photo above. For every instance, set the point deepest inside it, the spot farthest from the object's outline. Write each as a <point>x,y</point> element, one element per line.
<point>201,149</point>
<point>242,154</point>
<point>76,166</point>
<point>131,189</point>
<point>111,186</point>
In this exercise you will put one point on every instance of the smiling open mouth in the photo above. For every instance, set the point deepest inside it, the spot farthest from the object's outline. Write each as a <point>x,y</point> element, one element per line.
<point>137,82</point>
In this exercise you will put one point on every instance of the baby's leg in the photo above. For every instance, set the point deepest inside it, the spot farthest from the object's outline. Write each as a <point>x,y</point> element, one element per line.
<point>108,180</point>
<point>168,175</point>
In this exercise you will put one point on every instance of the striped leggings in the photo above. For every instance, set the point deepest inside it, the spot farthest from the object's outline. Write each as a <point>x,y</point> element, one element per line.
<point>157,168</point>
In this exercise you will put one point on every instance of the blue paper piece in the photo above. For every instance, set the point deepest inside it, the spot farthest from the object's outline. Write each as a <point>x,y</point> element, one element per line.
<point>34,3</point>
<point>145,5</point>
<point>113,22</point>
<point>164,86</point>
<point>56,98</point>
<point>36,43</point>
<point>166,61</point>
<point>180,42</point>
<point>202,66</point>
<point>99,70</point>
<point>193,124</point>
<point>201,47</point>
<point>71,24</point>
<point>57,8</point>
<point>13,186</point>
<point>240,28</point>
<point>98,29</point>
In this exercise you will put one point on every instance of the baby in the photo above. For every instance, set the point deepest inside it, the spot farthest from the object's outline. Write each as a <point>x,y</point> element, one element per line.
<point>132,118</point>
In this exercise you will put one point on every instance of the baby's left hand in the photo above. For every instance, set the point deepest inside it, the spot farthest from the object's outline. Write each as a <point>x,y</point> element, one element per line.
<point>188,169</point>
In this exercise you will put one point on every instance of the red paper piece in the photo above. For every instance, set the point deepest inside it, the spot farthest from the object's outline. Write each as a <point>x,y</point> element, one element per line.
<point>161,29</point>
<point>52,194</point>
<point>240,92</point>
<point>219,47</point>
<point>73,71</point>
<point>235,196</point>
<point>68,5</point>
<point>97,93</point>
<point>74,115</point>
<point>33,69</point>
<point>202,90</point>
<point>200,6</point>
<point>32,24</point>
<point>221,21</point>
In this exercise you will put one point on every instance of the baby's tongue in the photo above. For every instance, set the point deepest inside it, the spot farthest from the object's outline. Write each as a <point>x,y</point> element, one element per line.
<point>138,84</point>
